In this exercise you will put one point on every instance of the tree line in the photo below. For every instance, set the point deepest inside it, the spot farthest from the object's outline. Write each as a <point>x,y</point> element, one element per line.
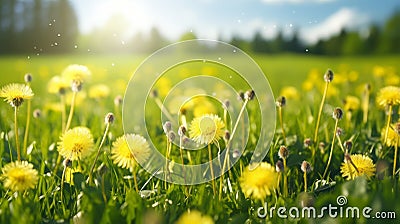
<point>48,26</point>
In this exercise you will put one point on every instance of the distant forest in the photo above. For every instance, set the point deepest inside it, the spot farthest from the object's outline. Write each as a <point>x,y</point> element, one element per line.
<point>44,26</point>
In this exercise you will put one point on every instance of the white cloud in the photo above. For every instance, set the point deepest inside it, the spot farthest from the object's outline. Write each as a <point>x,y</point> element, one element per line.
<point>295,1</point>
<point>344,18</point>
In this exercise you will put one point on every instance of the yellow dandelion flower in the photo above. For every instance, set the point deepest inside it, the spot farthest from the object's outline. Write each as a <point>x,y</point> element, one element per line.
<point>57,85</point>
<point>19,176</point>
<point>364,164</point>
<point>351,103</point>
<point>99,91</point>
<point>76,73</point>
<point>194,217</point>
<point>388,96</point>
<point>205,107</point>
<point>392,137</point>
<point>378,71</point>
<point>207,129</point>
<point>76,143</point>
<point>307,85</point>
<point>16,93</point>
<point>392,79</point>
<point>129,147</point>
<point>259,182</point>
<point>290,92</point>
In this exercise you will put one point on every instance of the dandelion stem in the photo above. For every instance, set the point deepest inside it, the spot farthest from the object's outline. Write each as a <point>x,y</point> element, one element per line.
<point>365,105</point>
<point>71,111</point>
<point>238,119</point>
<point>169,145</point>
<point>388,122</point>
<point>28,120</point>
<point>331,152</point>
<point>62,183</point>
<point>340,143</point>
<point>103,192</point>
<point>281,121</point>
<point>221,180</point>
<point>285,187</point>
<point>211,168</point>
<point>182,161</point>
<point>395,156</point>
<point>305,181</point>
<point>320,112</point>
<point>135,180</point>
<point>63,113</point>
<point>98,153</point>
<point>163,109</point>
<point>16,134</point>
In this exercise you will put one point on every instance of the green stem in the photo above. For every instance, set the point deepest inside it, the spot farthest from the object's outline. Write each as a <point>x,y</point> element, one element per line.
<point>211,168</point>
<point>16,134</point>
<point>182,161</point>
<point>305,181</point>
<point>331,152</point>
<point>135,180</point>
<point>388,123</point>
<point>221,180</point>
<point>285,185</point>
<point>98,153</point>
<point>63,113</point>
<point>28,120</point>
<point>281,121</point>
<point>320,112</point>
<point>71,111</point>
<point>163,109</point>
<point>395,156</point>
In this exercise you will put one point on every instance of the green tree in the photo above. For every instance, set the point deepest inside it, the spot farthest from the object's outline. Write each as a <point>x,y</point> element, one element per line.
<point>389,42</point>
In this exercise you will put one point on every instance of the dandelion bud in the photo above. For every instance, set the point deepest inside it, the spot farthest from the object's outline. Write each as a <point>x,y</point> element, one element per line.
<point>186,141</point>
<point>306,167</point>
<point>28,77</point>
<point>226,104</point>
<point>283,152</point>
<point>249,95</point>
<point>118,100</point>
<point>347,158</point>
<point>227,135</point>
<point>307,142</point>
<point>103,169</point>
<point>61,91</point>
<point>235,153</point>
<point>241,96</point>
<point>109,118</point>
<point>167,127</point>
<point>339,131</point>
<point>337,113</point>
<point>182,130</point>
<point>397,128</point>
<point>154,93</point>
<point>37,113</point>
<point>367,87</point>
<point>348,145</point>
<point>171,136</point>
<point>76,86</point>
<point>281,101</point>
<point>279,166</point>
<point>328,77</point>
<point>321,145</point>
<point>67,163</point>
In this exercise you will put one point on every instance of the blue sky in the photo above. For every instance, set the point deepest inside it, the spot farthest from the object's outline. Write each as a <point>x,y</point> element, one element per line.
<point>213,19</point>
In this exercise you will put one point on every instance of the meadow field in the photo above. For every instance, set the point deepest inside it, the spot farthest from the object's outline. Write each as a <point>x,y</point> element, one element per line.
<point>349,161</point>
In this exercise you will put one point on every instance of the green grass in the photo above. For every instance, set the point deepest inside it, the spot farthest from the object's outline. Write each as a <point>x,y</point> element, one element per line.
<point>113,198</point>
